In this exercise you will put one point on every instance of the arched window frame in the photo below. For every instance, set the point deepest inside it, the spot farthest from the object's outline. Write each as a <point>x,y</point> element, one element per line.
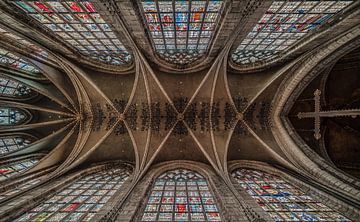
<point>280,52</point>
<point>13,168</point>
<point>9,143</point>
<point>190,203</point>
<point>303,185</point>
<point>22,183</point>
<point>27,119</point>
<point>91,36</point>
<point>15,62</point>
<point>9,87</point>
<point>181,47</point>
<point>55,187</point>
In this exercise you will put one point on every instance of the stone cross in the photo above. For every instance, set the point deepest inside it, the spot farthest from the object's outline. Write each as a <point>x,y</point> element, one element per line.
<point>317,114</point>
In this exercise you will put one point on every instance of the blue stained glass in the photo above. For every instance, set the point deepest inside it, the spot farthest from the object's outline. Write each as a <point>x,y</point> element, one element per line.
<point>11,116</point>
<point>177,192</point>
<point>297,16</point>
<point>10,144</point>
<point>281,200</point>
<point>74,204</point>
<point>176,22</point>
<point>9,59</point>
<point>14,168</point>
<point>86,23</point>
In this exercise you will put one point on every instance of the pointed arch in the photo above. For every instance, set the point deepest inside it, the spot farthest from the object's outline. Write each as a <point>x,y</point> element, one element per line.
<point>82,196</point>
<point>181,32</point>
<point>14,167</point>
<point>11,116</point>
<point>284,25</point>
<point>181,195</point>
<point>81,26</point>
<point>13,142</point>
<point>13,61</point>
<point>15,90</point>
<point>282,196</point>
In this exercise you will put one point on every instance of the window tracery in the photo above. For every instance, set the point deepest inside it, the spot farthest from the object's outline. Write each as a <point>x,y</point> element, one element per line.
<point>181,195</point>
<point>283,201</point>
<point>181,31</point>
<point>9,144</point>
<point>13,89</point>
<point>10,59</point>
<point>80,25</point>
<point>80,200</point>
<point>14,168</point>
<point>12,116</point>
<point>284,24</point>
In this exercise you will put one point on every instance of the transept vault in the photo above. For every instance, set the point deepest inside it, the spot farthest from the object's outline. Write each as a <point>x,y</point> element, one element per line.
<point>154,110</point>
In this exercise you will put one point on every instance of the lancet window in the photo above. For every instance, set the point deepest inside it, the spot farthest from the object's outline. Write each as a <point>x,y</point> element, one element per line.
<point>181,31</point>
<point>282,200</point>
<point>284,24</point>
<point>11,116</point>
<point>13,89</point>
<point>8,170</point>
<point>79,24</point>
<point>13,61</point>
<point>80,200</point>
<point>181,195</point>
<point>9,144</point>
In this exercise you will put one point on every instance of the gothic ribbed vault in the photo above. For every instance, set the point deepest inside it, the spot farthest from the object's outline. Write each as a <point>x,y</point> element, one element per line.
<point>86,104</point>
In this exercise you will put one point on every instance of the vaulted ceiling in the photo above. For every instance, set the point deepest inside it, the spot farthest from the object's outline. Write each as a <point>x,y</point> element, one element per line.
<point>145,109</point>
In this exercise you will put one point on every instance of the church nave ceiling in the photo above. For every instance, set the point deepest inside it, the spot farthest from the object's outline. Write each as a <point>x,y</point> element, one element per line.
<point>147,82</point>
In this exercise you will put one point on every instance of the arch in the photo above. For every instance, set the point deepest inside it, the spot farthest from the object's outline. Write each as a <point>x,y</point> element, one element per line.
<point>9,59</point>
<point>10,116</point>
<point>13,142</point>
<point>82,197</point>
<point>14,167</point>
<point>81,26</point>
<point>13,89</point>
<point>283,197</point>
<point>181,194</point>
<point>282,26</point>
<point>181,32</point>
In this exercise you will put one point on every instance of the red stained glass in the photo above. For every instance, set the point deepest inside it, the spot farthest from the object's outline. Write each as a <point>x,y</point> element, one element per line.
<point>71,207</point>
<point>181,208</point>
<point>196,17</point>
<point>3,171</point>
<point>167,18</point>
<point>74,7</point>
<point>43,7</point>
<point>90,7</point>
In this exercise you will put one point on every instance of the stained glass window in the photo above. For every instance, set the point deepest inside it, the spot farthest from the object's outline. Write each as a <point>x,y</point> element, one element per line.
<point>10,144</point>
<point>181,31</point>
<point>11,116</point>
<point>16,167</point>
<point>18,40</point>
<point>181,195</point>
<point>80,200</point>
<point>283,25</point>
<point>11,88</point>
<point>283,201</point>
<point>80,25</point>
<point>9,59</point>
